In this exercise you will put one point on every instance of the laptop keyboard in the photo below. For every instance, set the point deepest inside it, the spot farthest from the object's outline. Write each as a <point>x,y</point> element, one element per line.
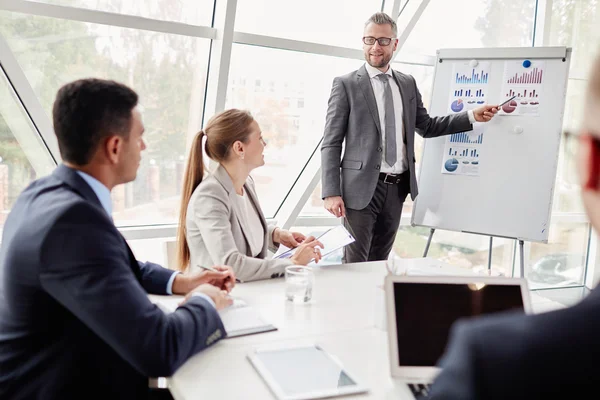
<point>419,390</point>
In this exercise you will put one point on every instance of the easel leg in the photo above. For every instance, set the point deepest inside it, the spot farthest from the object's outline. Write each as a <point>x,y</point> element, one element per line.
<point>522,257</point>
<point>428,242</point>
<point>490,256</point>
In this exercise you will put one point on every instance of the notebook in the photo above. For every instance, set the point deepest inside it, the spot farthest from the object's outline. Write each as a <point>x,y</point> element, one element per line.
<point>239,319</point>
<point>421,310</point>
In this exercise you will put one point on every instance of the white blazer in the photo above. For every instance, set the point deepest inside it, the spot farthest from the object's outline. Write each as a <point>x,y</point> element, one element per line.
<point>216,235</point>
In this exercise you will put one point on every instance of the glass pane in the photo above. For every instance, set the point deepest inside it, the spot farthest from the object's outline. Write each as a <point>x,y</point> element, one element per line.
<point>567,193</point>
<point>314,206</point>
<point>575,24</point>
<point>23,155</point>
<point>335,23</point>
<point>194,12</point>
<point>472,23</point>
<point>287,92</point>
<point>562,261</point>
<point>167,71</point>
<point>459,249</point>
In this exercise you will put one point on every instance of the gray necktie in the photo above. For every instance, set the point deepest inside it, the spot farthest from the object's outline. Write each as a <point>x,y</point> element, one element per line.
<point>390,120</point>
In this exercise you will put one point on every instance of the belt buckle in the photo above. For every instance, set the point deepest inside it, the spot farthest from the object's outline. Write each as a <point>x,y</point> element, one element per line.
<point>385,180</point>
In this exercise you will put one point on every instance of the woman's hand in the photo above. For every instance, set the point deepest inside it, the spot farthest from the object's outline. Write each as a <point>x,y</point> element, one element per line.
<point>307,251</point>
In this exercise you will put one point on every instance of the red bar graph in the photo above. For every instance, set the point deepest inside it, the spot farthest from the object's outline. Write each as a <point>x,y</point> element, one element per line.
<point>524,93</point>
<point>532,77</point>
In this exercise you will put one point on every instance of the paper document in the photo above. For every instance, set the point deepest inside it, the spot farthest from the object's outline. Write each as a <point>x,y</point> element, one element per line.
<point>239,319</point>
<point>332,240</point>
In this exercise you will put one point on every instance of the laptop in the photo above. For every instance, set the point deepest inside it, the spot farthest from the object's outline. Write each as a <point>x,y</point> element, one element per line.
<point>421,310</point>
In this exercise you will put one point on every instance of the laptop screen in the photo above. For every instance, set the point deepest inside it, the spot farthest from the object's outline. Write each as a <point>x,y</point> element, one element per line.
<point>425,313</point>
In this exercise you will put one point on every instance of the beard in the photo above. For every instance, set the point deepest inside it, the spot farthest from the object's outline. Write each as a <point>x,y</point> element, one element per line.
<point>385,60</point>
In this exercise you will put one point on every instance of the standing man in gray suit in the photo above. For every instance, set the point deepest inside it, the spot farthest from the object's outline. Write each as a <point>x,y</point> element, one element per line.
<point>376,110</point>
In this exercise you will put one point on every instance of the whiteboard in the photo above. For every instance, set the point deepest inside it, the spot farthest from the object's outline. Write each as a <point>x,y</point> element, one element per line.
<point>510,191</point>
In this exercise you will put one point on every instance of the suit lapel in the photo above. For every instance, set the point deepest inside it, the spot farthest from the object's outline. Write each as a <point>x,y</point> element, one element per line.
<point>364,82</point>
<point>135,267</point>
<point>254,201</point>
<point>225,180</point>
<point>71,178</point>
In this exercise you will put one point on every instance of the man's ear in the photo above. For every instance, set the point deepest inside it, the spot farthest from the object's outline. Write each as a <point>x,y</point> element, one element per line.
<point>591,162</point>
<point>113,147</point>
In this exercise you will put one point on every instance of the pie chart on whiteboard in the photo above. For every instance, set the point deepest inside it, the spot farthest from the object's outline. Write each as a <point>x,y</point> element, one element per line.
<point>509,107</point>
<point>457,105</point>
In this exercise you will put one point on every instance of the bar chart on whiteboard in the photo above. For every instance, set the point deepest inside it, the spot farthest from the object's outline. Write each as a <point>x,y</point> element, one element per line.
<point>469,86</point>
<point>527,84</point>
<point>462,152</point>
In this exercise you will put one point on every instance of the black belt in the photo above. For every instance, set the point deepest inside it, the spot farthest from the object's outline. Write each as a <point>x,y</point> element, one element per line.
<point>390,179</point>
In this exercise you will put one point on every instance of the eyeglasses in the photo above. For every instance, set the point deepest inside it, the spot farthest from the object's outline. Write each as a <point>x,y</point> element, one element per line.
<point>383,41</point>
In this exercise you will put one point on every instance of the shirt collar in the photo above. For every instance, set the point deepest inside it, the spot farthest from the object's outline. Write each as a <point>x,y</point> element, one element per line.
<point>373,72</point>
<point>100,190</point>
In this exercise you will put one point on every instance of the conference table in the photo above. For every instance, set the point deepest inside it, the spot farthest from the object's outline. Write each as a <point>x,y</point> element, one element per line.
<point>346,317</point>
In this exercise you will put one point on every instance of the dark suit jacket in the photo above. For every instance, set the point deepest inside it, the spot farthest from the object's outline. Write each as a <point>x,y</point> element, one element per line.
<point>542,356</point>
<point>75,318</point>
<point>352,117</point>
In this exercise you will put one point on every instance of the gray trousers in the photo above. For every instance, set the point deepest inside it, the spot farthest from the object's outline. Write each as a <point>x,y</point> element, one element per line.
<point>375,226</point>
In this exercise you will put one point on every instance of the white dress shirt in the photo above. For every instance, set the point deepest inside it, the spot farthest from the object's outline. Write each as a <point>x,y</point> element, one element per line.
<point>378,89</point>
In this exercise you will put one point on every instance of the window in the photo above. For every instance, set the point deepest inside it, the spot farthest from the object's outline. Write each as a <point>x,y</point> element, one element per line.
<point>321,21</point>
<point>292,132</point>
<point>23,155</point>
<point>195,12</point>
<point>562,261</point>
<point>460,249</point>
<point>573,24</point>
<point>314,206</point>
<point>472,23</point>
<point>167,71</point>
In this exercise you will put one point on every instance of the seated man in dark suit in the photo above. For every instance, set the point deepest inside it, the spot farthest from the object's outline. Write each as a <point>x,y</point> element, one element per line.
<point>548,355</point>
<point>75,318</point>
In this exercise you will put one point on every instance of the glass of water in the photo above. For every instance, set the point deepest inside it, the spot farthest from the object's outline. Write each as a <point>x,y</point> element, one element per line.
<point>299,284</point>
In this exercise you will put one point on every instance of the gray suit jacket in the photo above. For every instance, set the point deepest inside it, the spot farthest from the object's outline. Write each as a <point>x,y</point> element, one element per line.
<point>216,235</point>
<point>352,116</point>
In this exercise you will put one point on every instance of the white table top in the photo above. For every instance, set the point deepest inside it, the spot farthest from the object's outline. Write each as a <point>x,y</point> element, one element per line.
<point>345,317</point>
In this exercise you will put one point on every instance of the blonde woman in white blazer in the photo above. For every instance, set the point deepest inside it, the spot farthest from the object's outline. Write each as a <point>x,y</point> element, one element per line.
<point>221,222</point>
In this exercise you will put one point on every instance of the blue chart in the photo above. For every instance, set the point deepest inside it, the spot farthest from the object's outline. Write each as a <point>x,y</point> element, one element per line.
<point>466,138</point>
<point>469,93</point>
<point>477,77</point>
<point>463,152</point>
<point>457,105</point>
<point>451,165</point>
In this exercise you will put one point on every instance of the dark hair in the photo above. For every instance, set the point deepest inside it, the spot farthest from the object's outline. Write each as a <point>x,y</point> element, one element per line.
<point>88,110</point>
<point>221,131</point>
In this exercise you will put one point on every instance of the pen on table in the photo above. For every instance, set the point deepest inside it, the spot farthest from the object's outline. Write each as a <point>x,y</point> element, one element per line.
<point>214,270</point>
